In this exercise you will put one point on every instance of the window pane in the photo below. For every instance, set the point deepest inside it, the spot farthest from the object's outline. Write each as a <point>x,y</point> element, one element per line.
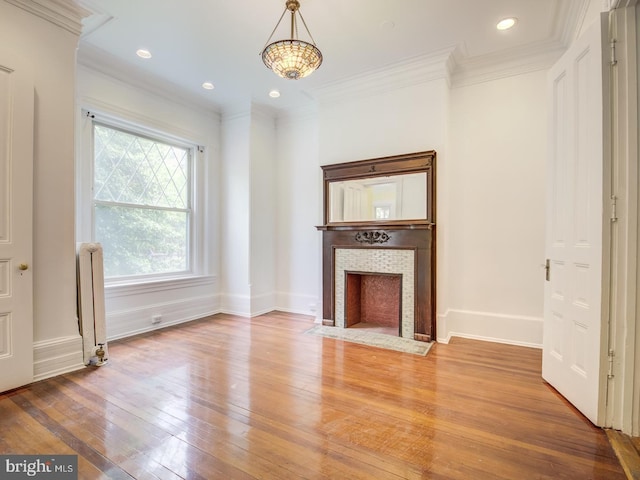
<point>139,241</point>
<point>137,170</point>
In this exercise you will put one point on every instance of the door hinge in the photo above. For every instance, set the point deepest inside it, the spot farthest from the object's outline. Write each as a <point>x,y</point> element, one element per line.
<point>611,355</point>
<point>547,270</point>
<point>613,62</point>
<point>614,208</point>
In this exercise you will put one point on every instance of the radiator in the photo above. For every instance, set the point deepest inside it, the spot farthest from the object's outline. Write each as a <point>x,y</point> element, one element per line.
<point>91,312</point>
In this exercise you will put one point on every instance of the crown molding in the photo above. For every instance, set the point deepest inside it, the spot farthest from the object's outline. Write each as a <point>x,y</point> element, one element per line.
<point>451,64</point>
<point>469,71</point>
<point>97,18</point>
<point>569,19</point>
<point>413,71</point>
<point>66,14</point>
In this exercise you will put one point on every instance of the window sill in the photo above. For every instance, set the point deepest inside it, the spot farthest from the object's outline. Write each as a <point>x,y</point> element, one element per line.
<point>138,287</point>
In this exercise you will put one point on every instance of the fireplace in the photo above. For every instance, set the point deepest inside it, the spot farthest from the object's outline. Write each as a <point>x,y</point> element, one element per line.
<point>359,245</point>
<point>374,301</point>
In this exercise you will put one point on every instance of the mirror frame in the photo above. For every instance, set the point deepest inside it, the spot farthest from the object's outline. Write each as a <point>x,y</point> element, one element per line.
<point>384,167</point>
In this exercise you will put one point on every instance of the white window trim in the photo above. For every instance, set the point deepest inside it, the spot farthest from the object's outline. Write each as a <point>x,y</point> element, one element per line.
<point>84,196</point>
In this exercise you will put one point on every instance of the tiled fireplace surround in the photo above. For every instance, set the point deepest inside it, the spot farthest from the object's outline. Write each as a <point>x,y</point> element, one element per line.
<point>376,260</point>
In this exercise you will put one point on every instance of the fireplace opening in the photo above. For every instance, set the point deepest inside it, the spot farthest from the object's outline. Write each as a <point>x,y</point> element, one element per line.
<point>374,301</point>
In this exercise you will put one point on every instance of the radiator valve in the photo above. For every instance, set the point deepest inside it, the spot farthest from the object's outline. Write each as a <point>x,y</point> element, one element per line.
<point>100,353</point>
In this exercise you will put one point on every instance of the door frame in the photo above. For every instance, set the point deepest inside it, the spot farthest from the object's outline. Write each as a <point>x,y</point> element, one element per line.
<point>623,392</point>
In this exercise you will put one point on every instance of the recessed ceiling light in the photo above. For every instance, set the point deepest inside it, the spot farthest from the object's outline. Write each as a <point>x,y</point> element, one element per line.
<point>208,86</point>
<point>274,93</point>
<point>506,23</point>
<point>143,53</point>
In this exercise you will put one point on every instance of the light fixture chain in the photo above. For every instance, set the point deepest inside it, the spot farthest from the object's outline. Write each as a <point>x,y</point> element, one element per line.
<point>294,27</point>
<point>275,28</point>
<point>306,28</point>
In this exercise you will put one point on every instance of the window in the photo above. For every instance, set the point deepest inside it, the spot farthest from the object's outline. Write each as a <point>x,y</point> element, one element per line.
<point>382,212</point>
<point>142,207</point>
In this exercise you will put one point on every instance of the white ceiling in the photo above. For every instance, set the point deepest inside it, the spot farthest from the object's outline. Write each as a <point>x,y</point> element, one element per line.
<point>193,41</point>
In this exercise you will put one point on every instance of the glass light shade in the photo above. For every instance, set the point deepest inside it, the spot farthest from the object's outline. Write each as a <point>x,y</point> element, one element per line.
<point>292,59</point>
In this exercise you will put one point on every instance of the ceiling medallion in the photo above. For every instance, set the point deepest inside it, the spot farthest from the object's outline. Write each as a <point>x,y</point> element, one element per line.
<point>292,58</point>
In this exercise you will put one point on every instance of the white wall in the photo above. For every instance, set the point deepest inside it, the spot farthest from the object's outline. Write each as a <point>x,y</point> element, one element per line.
<point>407,120</point>
<point>496,202</point>
<point>249,211</point>
<point>129,308</point>
<point>299,211</point>
<point>50,49</point>
<point>263,234</point>
<point>235,203</point>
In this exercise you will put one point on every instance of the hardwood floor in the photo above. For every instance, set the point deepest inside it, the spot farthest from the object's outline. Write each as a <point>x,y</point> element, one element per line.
<point>234,398</point>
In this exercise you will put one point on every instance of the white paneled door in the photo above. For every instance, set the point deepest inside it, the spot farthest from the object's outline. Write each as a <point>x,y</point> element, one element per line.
<point>16,224</point>
<point>574,319</point>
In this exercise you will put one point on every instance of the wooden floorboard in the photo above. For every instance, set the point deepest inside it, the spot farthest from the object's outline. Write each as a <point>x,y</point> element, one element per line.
<point>234,398</point>
<point>626,449</point>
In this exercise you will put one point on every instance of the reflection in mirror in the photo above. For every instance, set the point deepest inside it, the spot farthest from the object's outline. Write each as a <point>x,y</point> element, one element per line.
<point>396,197</point>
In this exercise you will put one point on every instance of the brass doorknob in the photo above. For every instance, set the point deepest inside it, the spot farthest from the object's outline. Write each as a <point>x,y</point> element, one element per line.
<point>23,266</point>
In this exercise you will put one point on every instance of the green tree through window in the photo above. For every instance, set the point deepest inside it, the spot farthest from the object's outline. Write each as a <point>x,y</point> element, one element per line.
<point>142,203</point>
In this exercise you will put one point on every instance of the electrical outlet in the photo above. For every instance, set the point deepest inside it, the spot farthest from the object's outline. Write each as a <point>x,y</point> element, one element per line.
<point>156,319</point>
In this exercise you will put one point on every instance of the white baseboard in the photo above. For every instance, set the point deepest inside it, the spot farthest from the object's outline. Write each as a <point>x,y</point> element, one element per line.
<point>235,304</point>
<point>57,356</point>
<point>262,303</point>
<point>252,306</point>
<point>493,327</point>
<point>295,303</point>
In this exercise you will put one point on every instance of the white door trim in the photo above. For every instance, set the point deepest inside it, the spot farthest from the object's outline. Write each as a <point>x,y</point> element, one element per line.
<point>623,410</point>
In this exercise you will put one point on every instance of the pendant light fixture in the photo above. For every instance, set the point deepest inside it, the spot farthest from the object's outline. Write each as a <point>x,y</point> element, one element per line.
<point>292,58</point>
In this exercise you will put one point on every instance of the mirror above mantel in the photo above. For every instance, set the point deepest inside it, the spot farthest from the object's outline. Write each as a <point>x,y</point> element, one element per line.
<point>396,190</point>
<point>389,198</point>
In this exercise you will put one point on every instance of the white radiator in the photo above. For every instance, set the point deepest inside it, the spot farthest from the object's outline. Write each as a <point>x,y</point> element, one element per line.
<point>91,313</point>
